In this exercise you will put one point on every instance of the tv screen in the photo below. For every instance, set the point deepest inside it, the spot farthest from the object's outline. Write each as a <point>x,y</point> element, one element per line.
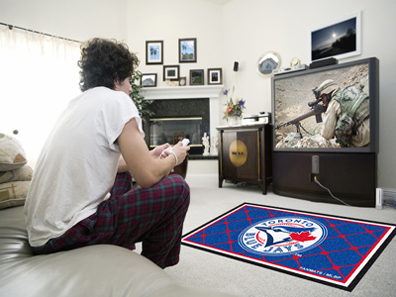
<point>348,122</point>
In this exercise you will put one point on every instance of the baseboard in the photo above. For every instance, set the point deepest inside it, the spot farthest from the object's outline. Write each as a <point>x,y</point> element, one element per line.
<point>202,167</point>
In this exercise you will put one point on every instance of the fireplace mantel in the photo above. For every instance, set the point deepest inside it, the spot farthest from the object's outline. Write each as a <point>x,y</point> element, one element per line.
<point>186,92</point>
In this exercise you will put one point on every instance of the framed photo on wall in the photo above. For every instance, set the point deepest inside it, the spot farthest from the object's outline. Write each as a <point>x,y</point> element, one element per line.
<point>340,39</point>
<point>187,50</point>
<point>196,77</point>
<point>154,52</point>
<point>215,76</point>
<point>149,80</point>
<point>171,72</point>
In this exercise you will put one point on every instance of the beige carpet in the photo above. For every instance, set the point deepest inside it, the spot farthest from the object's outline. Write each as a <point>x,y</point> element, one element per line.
<point>203,269</point>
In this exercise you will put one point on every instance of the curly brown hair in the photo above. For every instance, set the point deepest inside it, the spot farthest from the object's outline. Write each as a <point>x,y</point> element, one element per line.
<point>104,62</point>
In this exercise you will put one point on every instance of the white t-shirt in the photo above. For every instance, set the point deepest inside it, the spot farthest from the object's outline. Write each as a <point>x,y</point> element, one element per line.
<point>78,163</point>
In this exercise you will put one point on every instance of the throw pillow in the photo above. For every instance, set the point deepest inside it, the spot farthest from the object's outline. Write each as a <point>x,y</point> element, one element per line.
<point>13,193</point>
<point>23,173</point>
<point>12,155</point>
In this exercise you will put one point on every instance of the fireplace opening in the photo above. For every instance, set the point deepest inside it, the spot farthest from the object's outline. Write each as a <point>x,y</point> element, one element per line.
<point>175,119</point>
<point>172,130</point>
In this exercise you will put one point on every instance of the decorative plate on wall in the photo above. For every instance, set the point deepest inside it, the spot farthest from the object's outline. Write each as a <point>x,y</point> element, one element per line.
<point>268,62</point>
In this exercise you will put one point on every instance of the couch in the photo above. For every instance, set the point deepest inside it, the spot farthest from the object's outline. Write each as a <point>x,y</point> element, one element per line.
<point>99,270</point>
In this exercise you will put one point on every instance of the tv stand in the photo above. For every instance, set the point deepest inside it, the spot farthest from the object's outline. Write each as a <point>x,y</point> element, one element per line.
<point>351,177</point>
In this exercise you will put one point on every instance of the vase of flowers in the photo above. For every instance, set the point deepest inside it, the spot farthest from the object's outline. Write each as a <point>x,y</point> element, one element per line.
<point>234,107</point>
<point>235,121</point>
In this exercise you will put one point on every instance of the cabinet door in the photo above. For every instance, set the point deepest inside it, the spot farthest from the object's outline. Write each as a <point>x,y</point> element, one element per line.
<point>240,155</point>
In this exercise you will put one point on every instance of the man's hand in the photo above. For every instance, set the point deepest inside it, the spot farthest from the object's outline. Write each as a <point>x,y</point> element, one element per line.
<point>155,153</point>
<point>179,150</point>
<point>146,170</point>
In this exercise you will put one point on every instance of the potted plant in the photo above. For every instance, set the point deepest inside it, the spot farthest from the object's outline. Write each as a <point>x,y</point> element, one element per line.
<point>142,105</point>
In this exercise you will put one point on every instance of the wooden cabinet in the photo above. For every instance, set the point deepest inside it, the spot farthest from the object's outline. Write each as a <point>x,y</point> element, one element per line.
<point>245,154</point>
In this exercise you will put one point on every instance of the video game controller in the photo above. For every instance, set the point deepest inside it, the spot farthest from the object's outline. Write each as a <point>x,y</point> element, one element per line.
<point>185,142</point>
<point>168,149</point>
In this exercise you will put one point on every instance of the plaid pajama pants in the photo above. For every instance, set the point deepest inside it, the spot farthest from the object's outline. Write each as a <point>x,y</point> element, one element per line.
<point>153,216</point>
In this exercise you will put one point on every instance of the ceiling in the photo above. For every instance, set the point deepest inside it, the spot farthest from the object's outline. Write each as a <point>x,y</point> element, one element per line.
<point>221,2</point>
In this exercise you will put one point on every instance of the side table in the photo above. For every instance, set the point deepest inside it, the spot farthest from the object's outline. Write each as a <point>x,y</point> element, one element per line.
<point>245,154</point>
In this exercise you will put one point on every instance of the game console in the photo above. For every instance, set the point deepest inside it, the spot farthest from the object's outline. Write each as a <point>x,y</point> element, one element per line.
<point>290,69</point>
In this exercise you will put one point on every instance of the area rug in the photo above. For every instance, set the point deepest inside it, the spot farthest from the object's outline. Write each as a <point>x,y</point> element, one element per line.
<point>331,250</point>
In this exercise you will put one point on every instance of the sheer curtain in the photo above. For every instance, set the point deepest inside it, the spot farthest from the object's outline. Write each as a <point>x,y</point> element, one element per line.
<point>38,77</point>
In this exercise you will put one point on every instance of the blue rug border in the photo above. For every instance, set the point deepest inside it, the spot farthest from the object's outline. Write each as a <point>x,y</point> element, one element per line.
<point>349,288</point>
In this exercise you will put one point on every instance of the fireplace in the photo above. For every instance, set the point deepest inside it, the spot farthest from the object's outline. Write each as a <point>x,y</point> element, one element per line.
<point>179,112</point>
<point>175,119</point>
<point>174,129</point>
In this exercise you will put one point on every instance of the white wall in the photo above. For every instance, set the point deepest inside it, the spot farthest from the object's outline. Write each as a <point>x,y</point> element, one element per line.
<point>74,19</point>
<point>240,30</point>
<point>173,19</point>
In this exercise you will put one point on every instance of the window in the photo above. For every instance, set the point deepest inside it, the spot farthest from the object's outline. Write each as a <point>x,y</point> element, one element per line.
<point>39,76</point>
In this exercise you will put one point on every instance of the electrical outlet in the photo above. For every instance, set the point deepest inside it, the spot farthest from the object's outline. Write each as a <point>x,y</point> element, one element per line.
<point>312,177</point>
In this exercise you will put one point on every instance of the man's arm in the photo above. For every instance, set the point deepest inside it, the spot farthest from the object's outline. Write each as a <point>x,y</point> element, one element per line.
<point>330,119</point>
<point>122,165</point>
<point>155,153</point>
<point>146,170</point>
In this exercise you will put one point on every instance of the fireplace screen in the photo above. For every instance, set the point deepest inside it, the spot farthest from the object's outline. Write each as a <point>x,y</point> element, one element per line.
<point>173,130</point>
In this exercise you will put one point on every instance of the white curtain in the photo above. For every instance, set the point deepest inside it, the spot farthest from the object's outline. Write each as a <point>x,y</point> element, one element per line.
<point>38,77</point>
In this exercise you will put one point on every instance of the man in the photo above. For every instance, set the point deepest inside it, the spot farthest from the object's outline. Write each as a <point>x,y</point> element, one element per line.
<point>82,193</point>
<point>347,114</point>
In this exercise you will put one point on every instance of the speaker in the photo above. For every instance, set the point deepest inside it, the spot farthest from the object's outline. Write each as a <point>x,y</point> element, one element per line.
<point>236,65</point>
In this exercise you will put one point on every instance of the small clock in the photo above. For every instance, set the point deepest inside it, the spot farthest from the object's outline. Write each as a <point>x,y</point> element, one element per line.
<point>295,61</point>
<point>182,81</point>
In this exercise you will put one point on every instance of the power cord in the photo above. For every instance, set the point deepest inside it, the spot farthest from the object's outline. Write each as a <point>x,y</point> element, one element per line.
<point>316,181</point>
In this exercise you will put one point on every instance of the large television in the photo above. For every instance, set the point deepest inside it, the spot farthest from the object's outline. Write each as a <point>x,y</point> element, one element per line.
<point>307,162</point>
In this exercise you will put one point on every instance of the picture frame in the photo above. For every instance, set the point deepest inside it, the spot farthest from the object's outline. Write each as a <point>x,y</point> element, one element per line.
<point>148,80</point>
<point>340,39</point>
<point>171,72</point>
<point>196,77</point>
<point>215,76</point>
<point>188,50</point>
<point>154,52</point>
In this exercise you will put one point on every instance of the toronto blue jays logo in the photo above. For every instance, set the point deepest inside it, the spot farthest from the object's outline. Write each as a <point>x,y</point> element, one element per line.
<point>282,236</point>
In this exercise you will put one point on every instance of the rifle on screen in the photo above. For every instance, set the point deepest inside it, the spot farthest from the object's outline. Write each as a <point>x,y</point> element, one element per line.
<point>316,110</point>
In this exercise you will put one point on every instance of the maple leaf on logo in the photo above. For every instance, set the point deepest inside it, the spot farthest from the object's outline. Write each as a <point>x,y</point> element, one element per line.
<point>303,236</point>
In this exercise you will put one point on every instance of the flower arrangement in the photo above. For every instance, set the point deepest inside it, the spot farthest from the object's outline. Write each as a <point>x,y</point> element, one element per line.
<point>234,105</point>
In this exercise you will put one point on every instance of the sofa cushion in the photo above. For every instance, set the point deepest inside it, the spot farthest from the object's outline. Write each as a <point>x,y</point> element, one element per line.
<point>23,173</point>
<point>13,193</point>
<point>12,155</point>
<point>98,270</point>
